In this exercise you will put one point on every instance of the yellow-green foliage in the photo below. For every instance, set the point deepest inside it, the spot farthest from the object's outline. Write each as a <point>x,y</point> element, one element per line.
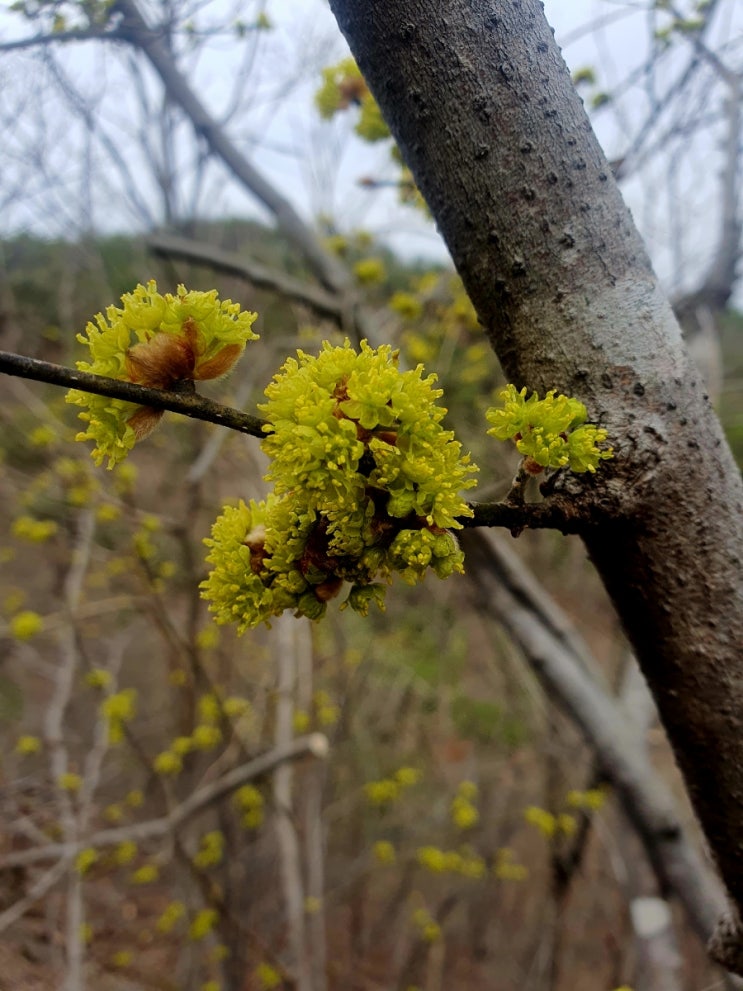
<point>157,341</point>
<point>367,483</point>
<point>549,432</point>
<point>342,87</point>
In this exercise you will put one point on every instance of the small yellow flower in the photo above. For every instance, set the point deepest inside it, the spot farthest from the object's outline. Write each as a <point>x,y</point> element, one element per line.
<point>369,271</point>
<point>171,915</point>
<point>42,436</point>
<point>203,923</point>
<point>125,852</point>
<point>209,709</point>
<point>567,824</point>
<point>26,625</point>
<point>208,637</point>
<point>85,932</point>
<point>381,793</point>
<point>146,874</point>
<point>122,958</point>
<point>428,928</point>
<point>134,798</point>
<point>312,905</point>
<point>167,763</point>
<point>384,852</point>
<point>107,512</point>
<point>206,737</point>
<point>98,678</point>
<point>467,790</point>
<point>27,745</point>
<point>267,977</point>
<point>182,745</point>
<point>542,820</point>
<point>210,851</point>
<point>432,859</point>
<point>35,531</point>
<point>463,813</point>
<point>252,819</point>
<point>408,776</point>
<point>116,710</point>
<point>505,868</point>
<point>69,781</point>
<point>590,801</point>
<point>85,860</point>
<point>472,866</point>
<point>301,721</point>
<point>235,706</point>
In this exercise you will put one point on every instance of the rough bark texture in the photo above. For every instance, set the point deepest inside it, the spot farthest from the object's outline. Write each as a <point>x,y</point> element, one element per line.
<point>481,103</point>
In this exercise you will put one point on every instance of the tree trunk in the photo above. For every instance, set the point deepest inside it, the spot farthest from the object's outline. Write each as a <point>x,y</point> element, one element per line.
<point>483,108</point>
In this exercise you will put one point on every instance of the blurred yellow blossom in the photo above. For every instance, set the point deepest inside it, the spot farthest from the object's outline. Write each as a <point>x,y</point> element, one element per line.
<point>85,860</point>
<point>203,923</point>
<point>26,625</point>
<point>384,852</point>
<point>69,781</point>
<point>146,874</point>
<point>267,977</point>
<point>172,914</point>
<point>27,745</point>
<point>542,820</point>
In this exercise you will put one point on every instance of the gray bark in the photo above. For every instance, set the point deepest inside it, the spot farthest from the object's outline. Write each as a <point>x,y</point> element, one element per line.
<point>482,106</point>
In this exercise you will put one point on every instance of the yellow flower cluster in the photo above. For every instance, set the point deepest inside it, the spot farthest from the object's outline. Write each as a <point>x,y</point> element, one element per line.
<point>116,710</point>
<point>367,483</point>
<point>85,860</point>
<point>25,625</point>
<point>250,803</point>
<point>267,977</point>
<point>170,917</point>
<point>27,745</point>
<point>550,432</point>
<point>211,850</point>
<point>387,790</point>
<point>505,867</point>
<point>465,862</point>
<point>464,813</point>
<point>146,874</point>
<point>548,824</point>
<point>428,928</point>
<point>203,923</point>
<point>343,86</point>
<point>35,531</point>
<point>384,852</point>
<point>160,342</point>
<point>589,801</point>
<point>125,852</point>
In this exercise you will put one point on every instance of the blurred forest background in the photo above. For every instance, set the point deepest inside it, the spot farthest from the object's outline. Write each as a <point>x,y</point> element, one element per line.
<point>462,830</point>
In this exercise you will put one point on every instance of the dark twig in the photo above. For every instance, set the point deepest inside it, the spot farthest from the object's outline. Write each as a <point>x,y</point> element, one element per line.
<point>188,404</point>
<point>513,516</point>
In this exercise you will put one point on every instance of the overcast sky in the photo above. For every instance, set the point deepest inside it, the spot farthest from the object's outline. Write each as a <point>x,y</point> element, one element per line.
<point>318,165</point>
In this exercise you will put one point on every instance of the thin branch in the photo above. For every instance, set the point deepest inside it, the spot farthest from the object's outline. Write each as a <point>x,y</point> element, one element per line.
<point>61,37</point>
<point>35,893</point>
<point>314,745</point>
<point>137,32</point>
<point>511,515</point>
<point>518,516</point>
<point>188,404</point>
<point>323,303</point>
